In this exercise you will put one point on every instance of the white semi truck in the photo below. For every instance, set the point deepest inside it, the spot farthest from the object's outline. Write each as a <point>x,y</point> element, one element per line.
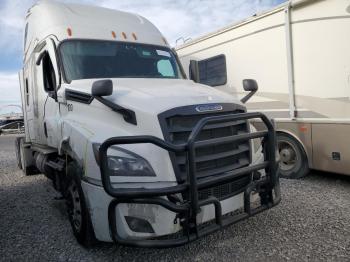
<point>143,156</point>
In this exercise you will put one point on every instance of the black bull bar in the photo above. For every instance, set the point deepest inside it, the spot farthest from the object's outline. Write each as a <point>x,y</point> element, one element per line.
<point>267,187</point>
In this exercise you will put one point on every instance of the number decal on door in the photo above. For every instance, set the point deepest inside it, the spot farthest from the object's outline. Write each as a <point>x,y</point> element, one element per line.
<point>70,107</point>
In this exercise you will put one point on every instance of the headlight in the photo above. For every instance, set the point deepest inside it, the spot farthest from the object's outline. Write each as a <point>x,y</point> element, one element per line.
<point>122,162</point>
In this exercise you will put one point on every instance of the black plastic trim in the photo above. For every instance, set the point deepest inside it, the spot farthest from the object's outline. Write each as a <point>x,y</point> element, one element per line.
<point>128,115</point>
<point>78,96</point>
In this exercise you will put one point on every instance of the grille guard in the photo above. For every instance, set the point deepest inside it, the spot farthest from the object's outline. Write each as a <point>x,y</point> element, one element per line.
<point>268,187</point>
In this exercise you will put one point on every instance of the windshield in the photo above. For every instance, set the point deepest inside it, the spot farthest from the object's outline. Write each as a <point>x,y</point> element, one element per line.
<point>83,59</point>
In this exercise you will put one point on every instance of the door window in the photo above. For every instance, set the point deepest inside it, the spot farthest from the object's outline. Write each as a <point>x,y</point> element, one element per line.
<point>49,77</point>
<point>27,91</point>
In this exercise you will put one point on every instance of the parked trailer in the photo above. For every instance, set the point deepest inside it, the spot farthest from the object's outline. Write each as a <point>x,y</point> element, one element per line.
<point>299,53</point>
<point>143,156</point>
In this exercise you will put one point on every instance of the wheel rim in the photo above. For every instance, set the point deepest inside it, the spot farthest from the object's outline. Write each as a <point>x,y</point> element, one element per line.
<point>288,155</point>
<point>74,206</point>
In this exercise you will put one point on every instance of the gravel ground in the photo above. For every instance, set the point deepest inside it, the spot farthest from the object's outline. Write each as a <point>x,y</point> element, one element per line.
<point>312,223</point>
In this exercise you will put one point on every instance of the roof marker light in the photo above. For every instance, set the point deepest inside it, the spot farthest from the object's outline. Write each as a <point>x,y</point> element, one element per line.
<point>114,35</point>
<point>124,35</point>
<point>134,36</point>
<point>69,31</point>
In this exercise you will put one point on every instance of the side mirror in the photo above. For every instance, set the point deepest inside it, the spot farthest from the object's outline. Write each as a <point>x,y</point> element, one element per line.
<point>249,85</point>
<point>194,72</point>
<point>102,88</point>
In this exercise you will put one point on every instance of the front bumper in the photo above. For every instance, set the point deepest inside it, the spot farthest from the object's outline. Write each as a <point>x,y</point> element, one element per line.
<point>188,210</point>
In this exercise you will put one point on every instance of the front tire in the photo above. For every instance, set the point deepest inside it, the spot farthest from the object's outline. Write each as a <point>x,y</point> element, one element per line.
<point>78,213</point>
<point>293,159</point>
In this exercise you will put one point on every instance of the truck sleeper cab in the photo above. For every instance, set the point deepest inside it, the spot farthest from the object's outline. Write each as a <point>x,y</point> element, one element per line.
<point>143,156</point>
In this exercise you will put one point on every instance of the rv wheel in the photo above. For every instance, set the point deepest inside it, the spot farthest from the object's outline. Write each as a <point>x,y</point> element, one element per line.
<point>78,213</point>
<point>293,160</point>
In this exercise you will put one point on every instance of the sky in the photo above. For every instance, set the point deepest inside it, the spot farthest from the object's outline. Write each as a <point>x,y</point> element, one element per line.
<point>174,18</point>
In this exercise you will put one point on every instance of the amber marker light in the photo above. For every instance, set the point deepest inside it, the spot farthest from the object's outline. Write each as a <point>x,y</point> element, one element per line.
<point>124,35</point>
<point>69,31</point>
<point>114,35</point>
<point>303,128</point>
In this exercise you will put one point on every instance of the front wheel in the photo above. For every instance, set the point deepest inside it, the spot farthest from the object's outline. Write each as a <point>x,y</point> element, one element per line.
<point>77,210</point>
<point>293,159</point>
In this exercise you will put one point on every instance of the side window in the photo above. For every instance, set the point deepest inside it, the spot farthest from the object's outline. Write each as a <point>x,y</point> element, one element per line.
<point>165,68</point>
<point>27,91</point>
<point>48,74</point>
<point>212,71</point>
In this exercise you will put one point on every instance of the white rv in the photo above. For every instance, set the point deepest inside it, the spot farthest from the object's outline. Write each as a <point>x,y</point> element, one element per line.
<point>143,156</point>
<point>299,54</point>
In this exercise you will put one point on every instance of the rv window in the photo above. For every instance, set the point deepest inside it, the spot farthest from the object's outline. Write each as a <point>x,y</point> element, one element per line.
<point>49,77</point>
<point>212,71</point>
<point>84,59</point>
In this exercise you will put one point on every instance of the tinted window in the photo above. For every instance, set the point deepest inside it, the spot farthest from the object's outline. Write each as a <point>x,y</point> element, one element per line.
<point>48,74</point>
<point>27,91</point>
<point>212,71</point>
<point>83,59</point>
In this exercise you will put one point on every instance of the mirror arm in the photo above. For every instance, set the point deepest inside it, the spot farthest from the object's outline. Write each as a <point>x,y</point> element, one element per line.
<point>248,96</point>
<point>128,115</point>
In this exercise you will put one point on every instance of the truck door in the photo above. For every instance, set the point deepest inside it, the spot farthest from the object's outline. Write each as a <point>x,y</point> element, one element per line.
<point>48,81</point>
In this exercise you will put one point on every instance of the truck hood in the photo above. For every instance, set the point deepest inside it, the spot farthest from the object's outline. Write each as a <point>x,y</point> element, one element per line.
<point>157,95</point>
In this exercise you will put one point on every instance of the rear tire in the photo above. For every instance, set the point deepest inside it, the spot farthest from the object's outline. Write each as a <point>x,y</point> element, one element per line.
<point>293,159</point>
<point>78,213</point>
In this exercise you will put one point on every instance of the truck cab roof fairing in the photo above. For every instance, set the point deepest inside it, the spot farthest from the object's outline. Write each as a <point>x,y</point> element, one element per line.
<point>87,22</point>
